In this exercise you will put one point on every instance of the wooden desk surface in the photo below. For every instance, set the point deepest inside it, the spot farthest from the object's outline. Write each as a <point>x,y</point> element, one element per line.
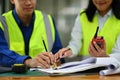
<point>77,77</point>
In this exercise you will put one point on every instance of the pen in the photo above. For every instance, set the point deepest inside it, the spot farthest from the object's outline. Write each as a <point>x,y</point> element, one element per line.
<point>63,53</point>
<point>44,45</point>
<point>54,66</point>
<point>67,49</point>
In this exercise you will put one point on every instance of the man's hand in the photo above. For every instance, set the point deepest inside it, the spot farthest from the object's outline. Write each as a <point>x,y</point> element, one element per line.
<point>43,60</point>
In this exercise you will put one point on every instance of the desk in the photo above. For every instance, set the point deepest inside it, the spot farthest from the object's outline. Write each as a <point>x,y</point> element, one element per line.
<point>77,77</point>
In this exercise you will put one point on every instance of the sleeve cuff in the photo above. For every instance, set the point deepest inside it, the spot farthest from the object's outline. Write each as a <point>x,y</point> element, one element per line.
<point>21,59</point>
<point>74,52</point>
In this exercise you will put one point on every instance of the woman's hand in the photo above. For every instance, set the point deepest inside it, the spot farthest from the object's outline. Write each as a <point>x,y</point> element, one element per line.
<point>97,51</point>
<point>62,53</point>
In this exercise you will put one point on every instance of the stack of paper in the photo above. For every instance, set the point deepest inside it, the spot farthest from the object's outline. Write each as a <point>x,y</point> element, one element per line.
<point>112,65</point>
<point>112,69</point>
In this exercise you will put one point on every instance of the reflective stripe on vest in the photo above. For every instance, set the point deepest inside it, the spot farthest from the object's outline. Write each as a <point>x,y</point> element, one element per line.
<point>3,21</point>
<point>50,35</point>
<point>48,31</point>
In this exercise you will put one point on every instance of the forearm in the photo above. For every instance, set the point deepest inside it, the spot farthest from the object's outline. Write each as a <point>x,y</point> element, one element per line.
<point>76,37</point>
<point>8,58</point>
<point>116,50</point>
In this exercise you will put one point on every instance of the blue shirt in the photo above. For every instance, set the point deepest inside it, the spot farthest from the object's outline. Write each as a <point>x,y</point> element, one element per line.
<point>8,57</point>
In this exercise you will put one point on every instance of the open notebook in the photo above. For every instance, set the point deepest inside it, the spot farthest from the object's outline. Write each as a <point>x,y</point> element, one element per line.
<point>80,66</point>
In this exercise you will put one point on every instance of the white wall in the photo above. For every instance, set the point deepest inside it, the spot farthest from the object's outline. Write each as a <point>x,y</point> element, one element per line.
<point>64,12</point>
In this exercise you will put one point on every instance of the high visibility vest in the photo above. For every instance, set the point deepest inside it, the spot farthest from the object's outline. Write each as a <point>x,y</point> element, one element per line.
<point>43,29</point>
<point>110,32</point>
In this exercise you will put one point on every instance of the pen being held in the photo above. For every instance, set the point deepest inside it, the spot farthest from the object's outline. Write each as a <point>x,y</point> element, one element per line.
<point>62,53</point>
<point>53,64</point>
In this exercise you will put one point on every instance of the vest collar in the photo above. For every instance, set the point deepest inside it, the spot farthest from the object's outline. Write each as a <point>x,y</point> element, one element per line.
<point>18,19</point>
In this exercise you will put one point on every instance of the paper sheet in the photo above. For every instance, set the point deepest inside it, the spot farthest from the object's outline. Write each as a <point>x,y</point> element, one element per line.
<point>90,63</point>
<point>112,69</point>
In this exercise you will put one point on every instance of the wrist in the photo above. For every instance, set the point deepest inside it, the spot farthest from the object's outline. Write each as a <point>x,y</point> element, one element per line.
<point>28,62</point>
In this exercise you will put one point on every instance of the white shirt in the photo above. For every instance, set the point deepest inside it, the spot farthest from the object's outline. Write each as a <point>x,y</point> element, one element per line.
<point>76,34</point>
<point>116,50</point>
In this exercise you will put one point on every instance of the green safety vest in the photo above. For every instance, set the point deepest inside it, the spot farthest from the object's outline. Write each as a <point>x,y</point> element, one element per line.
<point>110,32</point>
<point>43,29</point>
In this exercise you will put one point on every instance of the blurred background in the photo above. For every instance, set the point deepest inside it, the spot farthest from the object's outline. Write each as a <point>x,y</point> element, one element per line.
<point>63,11</point>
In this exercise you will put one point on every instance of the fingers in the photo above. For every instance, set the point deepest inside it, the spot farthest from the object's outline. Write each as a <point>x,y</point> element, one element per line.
<point>62,53</point>
<point>56,56</point>
<point>96,51</point>
<point>39,62</point>
<point>48,57</point>
<point>92,50</point>
<point>44,60</point>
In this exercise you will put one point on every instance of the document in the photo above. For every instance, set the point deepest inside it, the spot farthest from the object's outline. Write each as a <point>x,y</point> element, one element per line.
<point>87,64</point>
<point>112,69</point>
